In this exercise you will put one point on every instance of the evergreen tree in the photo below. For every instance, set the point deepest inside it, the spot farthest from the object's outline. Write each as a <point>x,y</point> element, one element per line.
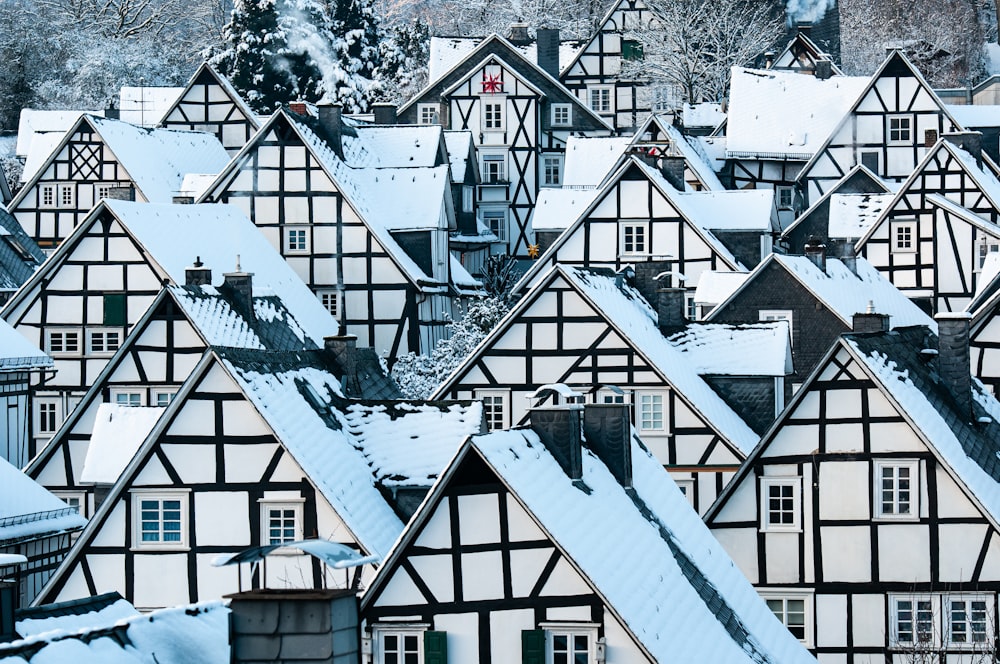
<point>405,54</point>
<point>359,33</point>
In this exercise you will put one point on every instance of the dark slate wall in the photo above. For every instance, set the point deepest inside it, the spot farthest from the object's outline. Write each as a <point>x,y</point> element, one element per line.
<point>417,245</point>
<point>744,245</point>
<point>752,397</point>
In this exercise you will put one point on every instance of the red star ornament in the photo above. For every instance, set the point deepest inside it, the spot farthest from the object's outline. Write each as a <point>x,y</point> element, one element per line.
<point>492,83</point>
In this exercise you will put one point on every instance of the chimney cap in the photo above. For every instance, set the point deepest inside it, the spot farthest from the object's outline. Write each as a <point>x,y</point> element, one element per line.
<point>953,315</point>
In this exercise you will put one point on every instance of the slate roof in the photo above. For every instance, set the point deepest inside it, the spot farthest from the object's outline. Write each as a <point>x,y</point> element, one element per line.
<point>20,255</point>
<point>17,353</point>
<point>86,613</point>
<point>446,52</point>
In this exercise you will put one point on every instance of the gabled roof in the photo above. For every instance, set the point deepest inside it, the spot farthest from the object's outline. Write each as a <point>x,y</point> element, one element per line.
<point>703,114</point>
<point>842,291</point>
<point>18,354</point>
<point>778,114</point>
<point>33,123</point>
<point>206,74</point>
<point>589,159</point>
<point>394,146</point>
<point>859,171</point>
<point>643,551</point>
<point>966,215</point>
<point>628,313</point>
<point>557,208</point>
<point>620,5</point>
<point>156,159</point>
<point>798,46</point>
<point>968,451</point>
<point>28,510</point>
<point>20,255</point>
<point>446,52</point>
<point>87,613</point>
<point>694,159</point>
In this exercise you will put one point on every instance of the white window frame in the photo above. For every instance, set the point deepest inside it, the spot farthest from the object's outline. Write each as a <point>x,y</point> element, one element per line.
<point>499,215</point>
<point>772,315</point>
<point>53,412</point>
<point>551,159</point>
<point>499,158</point>
<point>687,486</point>
<point>80,497</point>
<point>428,114</point>
<point>650,398</point>
<point>912,228</point>
<point>297,506</point>
<point>504,401</point>
<point>779,191</point>
<point>913,466</point>
<point>106,347</point>
<point>948,624</point>
<point>562,115</point>
<point>160,495</point>
<point>494,113</point>
<point>769,482</point>
<point>118,392</point>
<point>380,631</point>
<point>297,239</point>
<point>604,106</point>
<point>56,341</point>
<point>61,195</point>
<point>806,598</point>
<point>878,160</point>
<point>330,299</point>
<point>155,397</point>
<point>607,396</point>
<point>570,629</point>
<point>909,129</point>
<point>934,606</point>
<point>985,245</point>
<point>626,234</point>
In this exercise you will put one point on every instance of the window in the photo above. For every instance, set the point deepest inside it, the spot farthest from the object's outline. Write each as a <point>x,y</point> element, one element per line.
<point>126,397</point>
<point>968,620</point>
<point>160,519</point>
<point>687,488</point>
<point>409,644</point>
<point>632,50</point>
<point>651,412</point>
<point>281,522</point>
<point>987,245</point>
<point>493,119</point>
<point>162,398</point>
<point>57,195</point>
<point>784,197</point>
<point>103,340</point>
<point>794,610</point>
<point>496,221</point>
<point>780,503</point>
<point>428,114</point>
<point>904,236</point>
<point>599,99</point>
<point>956,621</point>
<point>47,195</point>
<point>896,489</point>
<point>610,396</point>
<point>75,499</point>
<point>495,408</point>
<point>870,160</point>
<point>467,198</point>
<point>296,240</point>
<point>329,300</point>
<point>913,620</point>
<point>568,643</point>
<point>48,415</point>
<point>552,170</point>
<point>634,238</point>
<point>899,129</point>
<point>494,168</point>
<point>63,342</point>
<point>562,115</point>
<point>690,307</point>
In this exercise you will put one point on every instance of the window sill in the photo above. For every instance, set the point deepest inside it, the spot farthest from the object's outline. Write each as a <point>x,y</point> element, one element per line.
<point>160,548</point>
<point>774,529</point>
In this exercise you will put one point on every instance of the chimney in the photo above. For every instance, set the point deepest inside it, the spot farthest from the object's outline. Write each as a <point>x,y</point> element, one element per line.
<point>559,430</point>
<point>182,200</point>
<point>930,138</point>
<point>824,69</point>
<point>954,366</point>
<point>385,114</point>
<point>849,258</point>
<point>111,112</point>
<point>804,28</point>
<point>607,429</point>
<point>344,348</point>
<point>291,626</point>
<point>970,141</point>
<point>198,274</point>
<point>298,107</point>
<point>8,603</point>
<point>672,169</point>
<point>547,50</point>
<point>815,251</point>
<point>239,286</point>
<point>869,321</point>
<point>768,59</point>
<point>670,303</point>
<point>329,119</point>
<point>519,34</point>
<point>121,193</point>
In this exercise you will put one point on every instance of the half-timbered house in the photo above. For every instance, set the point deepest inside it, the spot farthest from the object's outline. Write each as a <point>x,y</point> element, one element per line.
<point>887,128</point>
<point>100,158</point>
<point>79,306</point>
<point>697,391</point>
<point>210,104</point>
<point>259,448</point>
<point>542,545</point>
<point>803,56</point>
<point>520,117</point>
<point>867,516</point>
<point>20,256</point>
<point>19,360</point>
<point>984,335</point>
<point>933,239</point>
<point>34,524</point>
<point>818,296</point>
<point>363,216</point>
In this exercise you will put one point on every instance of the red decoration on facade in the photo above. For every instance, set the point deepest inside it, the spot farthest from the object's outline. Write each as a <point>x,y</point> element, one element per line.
<point>492,83</point>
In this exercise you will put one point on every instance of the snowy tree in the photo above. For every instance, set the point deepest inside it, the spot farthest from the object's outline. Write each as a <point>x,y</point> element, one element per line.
<point>692,44</point>
<point>419,375</point>
<point>405,54</point>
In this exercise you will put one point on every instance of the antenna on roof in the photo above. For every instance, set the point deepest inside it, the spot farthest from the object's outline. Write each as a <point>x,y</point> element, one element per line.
<point>238,269</point>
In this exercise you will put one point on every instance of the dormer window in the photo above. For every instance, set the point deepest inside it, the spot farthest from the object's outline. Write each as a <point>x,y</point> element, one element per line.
<point>428,114</point>
<point>562,115</point>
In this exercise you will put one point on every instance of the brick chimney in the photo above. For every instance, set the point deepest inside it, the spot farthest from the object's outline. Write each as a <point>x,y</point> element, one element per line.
<point>330,120</point>
<point>547,50</point>
<point>198,274</point>
<point>607,429</point>
<point>298,107</point>
<point>385,114</point>
<point>815,251</point>
<point>954,366</point>
<point>870,321</point>
<point>559,430</point>
<point>239,286</point>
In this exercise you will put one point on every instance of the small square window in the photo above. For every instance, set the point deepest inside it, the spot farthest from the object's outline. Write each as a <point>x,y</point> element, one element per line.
<point>160,519</point>
<point>281,522</point>
<point>570,643</point>
<point>634,238</point>
<point>969,620</point>
<point>398,645</point>
<point>47,195</point>
<point>899,129</point>
<point>562,115</point>
<point>162,398</point>
<point>494,168</point>
<point>428,114</point>
<point>794,610</point>
<point>651,412</point>
<point>780,503</point>
<point>784,197</point>
<point>296,240</point>
<point>599,99</point>
<point>62,341</point>
<point>123,397</point>
<point>896,490</point>
<point>496,221</point>
<point>552,170</point>
<point>904,237</point>
<point>103,341</point>
<point>496,405</point>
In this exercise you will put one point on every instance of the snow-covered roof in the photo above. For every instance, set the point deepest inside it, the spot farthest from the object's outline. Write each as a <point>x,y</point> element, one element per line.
<point>63,618</point>
<point>388,146</point>
<point>965,214</point>
<point>42,146</point>
<point>784,113</point>
<point>761,349</point>
<point>657,567</point>
<point>145,106</point>
<point>590,159</point>
<point>34,123</point>
<point>557,209</point>
<point>732,209</point>
<point>694,157</point>
<point>446,52</point>
<point>17,353</point>
<point>195,634</point>
<point>851,215</point>
<point>195,184</point>
<point>459,146</point>
<point>27,509</point>
<point>118,434</point>
<point>984,177</point>
<point>704,114</point>
<point>973,116</point>
<point>715,287</point>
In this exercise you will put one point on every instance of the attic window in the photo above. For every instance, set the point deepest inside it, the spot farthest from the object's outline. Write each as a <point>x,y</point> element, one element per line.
<point>428,114</point>
<point>561,115</point>
<point>904,237</point>
<point>19,249</point>
<point>899,129</point>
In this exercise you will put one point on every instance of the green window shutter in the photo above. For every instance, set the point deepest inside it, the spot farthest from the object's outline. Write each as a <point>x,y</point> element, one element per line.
<point>435,647</point>
<point>114,309</point>
<point>533,646</point>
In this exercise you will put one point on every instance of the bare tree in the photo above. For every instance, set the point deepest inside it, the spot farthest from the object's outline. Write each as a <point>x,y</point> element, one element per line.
<point>692,44</point>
